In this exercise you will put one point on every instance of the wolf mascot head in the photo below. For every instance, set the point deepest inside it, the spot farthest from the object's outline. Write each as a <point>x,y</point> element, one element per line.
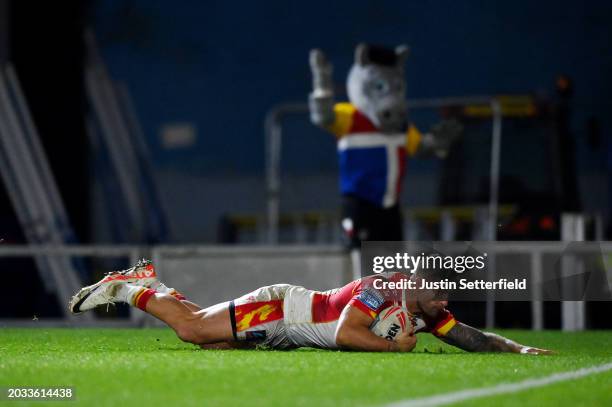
<point>377,88</point>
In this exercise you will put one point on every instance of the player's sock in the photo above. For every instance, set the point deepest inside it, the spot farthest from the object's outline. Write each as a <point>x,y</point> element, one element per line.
<point>134,295</point>
<point>162,288</point>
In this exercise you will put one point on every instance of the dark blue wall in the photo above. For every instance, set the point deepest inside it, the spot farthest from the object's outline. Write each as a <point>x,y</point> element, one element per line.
<point>223,64</point>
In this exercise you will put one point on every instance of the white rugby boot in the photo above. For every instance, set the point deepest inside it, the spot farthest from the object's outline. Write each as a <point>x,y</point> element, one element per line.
<point>142,274</point>
<point>104,292</point>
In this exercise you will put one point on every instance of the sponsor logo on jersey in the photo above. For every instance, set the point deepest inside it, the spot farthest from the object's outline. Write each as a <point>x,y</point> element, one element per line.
<point>371,298</point>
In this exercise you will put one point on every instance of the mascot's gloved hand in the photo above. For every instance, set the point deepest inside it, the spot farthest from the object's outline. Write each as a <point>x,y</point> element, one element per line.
<point>321,100</point>
<point>441,136</point>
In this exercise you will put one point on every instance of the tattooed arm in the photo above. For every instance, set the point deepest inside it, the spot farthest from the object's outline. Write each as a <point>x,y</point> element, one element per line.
<point>473,340</point>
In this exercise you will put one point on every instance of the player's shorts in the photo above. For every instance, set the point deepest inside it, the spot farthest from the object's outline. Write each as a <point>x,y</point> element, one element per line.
<point>258,317</point>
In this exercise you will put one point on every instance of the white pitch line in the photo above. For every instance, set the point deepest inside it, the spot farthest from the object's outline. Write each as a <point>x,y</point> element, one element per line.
<point>502,388</point>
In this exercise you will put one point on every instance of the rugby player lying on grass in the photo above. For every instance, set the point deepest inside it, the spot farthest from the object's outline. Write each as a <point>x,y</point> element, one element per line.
<point>283,316</point>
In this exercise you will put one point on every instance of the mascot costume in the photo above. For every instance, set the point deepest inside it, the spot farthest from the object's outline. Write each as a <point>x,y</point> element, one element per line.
<point>373,139</point>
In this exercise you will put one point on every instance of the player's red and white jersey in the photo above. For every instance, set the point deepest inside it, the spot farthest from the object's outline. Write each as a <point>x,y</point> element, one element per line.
<point>311,317</point>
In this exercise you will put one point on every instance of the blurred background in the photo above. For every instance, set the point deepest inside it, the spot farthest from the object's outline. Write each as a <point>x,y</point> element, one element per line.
<point>181,131</point>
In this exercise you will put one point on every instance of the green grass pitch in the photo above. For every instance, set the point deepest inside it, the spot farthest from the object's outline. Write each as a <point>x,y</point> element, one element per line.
<point>151,367</point>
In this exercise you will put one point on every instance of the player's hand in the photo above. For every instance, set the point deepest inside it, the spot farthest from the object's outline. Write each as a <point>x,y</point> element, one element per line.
<point>528,350</point>
<point>406,341</point>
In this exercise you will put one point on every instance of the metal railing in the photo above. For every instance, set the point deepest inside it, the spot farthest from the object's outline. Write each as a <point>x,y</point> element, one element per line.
<point>535,250</point>
<point>419,223</point>
<point>273,128</point>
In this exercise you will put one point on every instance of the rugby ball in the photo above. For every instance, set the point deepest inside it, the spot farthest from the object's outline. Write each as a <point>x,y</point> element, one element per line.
<point>390,322</point>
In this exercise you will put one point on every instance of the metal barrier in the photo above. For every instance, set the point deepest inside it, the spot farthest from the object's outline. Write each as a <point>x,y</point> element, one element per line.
<point>215,273</point>
<point>420,223</point>
<point>212,274</point>
<point>273,141</point>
